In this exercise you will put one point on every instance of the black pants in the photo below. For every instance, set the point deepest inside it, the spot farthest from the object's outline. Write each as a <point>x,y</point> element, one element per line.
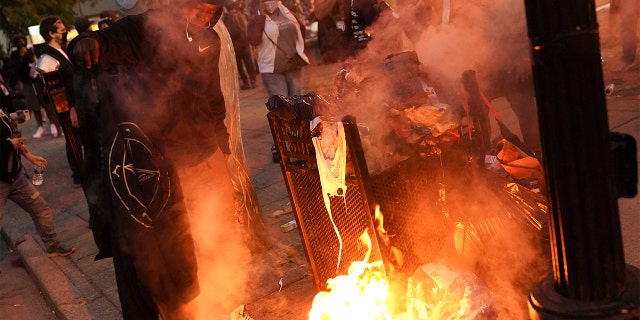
<point>244,60</point>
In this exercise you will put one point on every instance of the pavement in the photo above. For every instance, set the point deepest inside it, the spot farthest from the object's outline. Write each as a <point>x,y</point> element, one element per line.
<point>77,287</point>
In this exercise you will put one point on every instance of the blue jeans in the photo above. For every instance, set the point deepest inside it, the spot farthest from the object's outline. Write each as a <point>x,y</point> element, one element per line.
<point>287,84</point>
<point>24,194</point>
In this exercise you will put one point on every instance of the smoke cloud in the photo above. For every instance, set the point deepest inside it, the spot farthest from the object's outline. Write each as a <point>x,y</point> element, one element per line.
<point>488,36</point>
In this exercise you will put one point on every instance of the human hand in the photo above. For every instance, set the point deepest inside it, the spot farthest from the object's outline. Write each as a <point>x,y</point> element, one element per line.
<point>17,142</point>
<point>74,117</point>
<point>39,161</point>
<point>87,52</point>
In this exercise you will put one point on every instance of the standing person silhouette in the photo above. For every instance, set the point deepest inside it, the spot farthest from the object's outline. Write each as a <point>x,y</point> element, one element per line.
<point>164,133</point>
<point>236,22</point>
<point>54,33</point>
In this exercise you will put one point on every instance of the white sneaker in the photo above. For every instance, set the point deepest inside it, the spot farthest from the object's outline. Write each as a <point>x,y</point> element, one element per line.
<point>54,131</point>
<point>39,132</point>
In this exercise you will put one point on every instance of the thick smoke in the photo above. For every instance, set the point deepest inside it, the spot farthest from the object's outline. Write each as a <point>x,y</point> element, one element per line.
<point>488,36</point>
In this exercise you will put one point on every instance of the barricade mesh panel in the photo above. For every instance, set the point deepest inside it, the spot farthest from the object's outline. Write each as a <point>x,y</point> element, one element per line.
<point>319,237</point>
<point>407,194</point>
<point>408,198</point>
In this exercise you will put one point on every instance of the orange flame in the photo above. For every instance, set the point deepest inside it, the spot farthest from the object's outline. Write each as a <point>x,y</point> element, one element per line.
<point>364,291</point>
<point>361,294</point>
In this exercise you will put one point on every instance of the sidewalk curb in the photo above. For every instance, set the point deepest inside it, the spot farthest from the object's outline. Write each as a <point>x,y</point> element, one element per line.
<point>61,293</point>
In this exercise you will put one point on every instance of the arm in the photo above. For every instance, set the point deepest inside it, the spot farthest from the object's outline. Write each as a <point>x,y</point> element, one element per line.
<point>37,160</point>
<point>120,44</point>
<point>255,28</point>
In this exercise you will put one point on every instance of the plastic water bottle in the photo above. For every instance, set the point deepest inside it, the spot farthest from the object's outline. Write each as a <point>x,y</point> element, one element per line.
<point>609,88</point>
<point>38,179</point>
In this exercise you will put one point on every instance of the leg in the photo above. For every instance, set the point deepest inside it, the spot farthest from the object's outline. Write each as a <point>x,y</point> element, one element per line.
<point>275,84</point>
<point>34,105</point>
<point>25,195</point>
<point>243,75</point>
<point>209,201</point>
<point>38,115</point>
<point>294,82</point>
<point>91,168</point>
<point>40,131</point>
<point>247,60</point>
<point>629,16</point>
<point>53,119</point>
<point>136,301</point>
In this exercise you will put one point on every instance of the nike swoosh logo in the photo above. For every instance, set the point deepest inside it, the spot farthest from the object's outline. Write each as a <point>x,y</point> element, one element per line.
<point>203,49</point>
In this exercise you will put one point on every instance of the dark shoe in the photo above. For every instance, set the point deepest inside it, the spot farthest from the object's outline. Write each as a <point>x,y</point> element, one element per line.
<point>60,251</point>
<point>275,156</point>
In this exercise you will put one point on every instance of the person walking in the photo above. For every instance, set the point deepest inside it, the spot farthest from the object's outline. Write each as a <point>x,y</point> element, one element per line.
<point>278,35</point>
<point>164,133</point>
<point>15,186</point>
<point>236,22</point>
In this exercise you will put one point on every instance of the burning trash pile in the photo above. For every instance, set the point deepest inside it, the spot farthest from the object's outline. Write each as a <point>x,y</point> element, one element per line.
<point>398,91</point>
<point>464,234</point>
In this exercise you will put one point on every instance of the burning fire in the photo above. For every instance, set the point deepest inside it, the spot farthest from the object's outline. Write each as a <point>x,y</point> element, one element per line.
<point>433,290</point>
<point>363,292</point>
<point>360,294</point>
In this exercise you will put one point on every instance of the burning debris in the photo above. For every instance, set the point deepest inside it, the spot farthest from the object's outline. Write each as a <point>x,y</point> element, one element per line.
<point>360,294</point>
<point>436,292</point>
<point>413,152</point>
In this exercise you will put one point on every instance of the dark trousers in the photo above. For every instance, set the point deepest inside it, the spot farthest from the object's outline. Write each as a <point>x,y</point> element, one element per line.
<point>244,60</point>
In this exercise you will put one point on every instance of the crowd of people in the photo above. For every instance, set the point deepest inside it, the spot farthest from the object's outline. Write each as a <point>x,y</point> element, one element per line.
<point>143,135</point>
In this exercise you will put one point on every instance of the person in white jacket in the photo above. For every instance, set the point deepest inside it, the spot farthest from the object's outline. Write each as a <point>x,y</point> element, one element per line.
<point>278,35</point>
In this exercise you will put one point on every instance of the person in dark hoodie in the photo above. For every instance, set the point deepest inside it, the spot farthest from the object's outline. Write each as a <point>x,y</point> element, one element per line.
<point>163,136</point>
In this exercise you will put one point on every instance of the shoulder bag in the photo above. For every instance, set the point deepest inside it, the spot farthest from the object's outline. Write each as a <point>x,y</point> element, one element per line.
<point>292,61</point>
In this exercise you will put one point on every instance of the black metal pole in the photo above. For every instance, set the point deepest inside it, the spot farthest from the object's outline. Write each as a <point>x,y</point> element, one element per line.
<point>590,279</point>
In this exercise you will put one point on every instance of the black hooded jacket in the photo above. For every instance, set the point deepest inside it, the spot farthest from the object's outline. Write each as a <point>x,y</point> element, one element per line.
<point>171,86</point>
<point>166,111</point>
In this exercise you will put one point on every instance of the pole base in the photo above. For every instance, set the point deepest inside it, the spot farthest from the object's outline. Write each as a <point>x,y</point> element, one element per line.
<point>546,303</point>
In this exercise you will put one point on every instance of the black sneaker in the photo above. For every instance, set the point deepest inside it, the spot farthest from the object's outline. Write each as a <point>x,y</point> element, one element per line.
<point>60,251</point>
<point>275,156</point>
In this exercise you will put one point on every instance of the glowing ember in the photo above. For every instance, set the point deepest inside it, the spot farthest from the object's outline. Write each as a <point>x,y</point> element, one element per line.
<point>361,294</point>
